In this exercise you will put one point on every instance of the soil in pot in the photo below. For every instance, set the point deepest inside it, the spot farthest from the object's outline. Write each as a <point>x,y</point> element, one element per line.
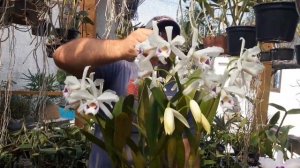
<point>234,34</point>
<point>276,21</point>
<point>219,41</point>
<point>282,54</point>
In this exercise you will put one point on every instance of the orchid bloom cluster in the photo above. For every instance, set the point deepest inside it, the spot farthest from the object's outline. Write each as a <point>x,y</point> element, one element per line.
<point>197,64</point>
<point>84,96</point>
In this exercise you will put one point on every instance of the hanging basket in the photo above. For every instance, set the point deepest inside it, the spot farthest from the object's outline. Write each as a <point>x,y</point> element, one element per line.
<point>24,12</point>
<point>234,33</point>
<point>66,35</point>
<point>5,12</point>
<point>219,41</point>
<point>276,21</point>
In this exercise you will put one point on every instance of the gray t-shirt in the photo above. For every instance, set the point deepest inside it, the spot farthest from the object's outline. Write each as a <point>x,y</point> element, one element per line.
<point>116,77</point>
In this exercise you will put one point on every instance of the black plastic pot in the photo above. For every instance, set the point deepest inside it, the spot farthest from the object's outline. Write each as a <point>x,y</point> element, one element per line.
<point>297,53</point>
<point>265,56</point>
<point>41,29</point>
<point>282,54</point>
<point>276,21</point>
<point>234,34</point>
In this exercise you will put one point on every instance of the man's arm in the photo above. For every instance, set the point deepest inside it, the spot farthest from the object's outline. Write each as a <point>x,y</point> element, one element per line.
<point>76,54</point>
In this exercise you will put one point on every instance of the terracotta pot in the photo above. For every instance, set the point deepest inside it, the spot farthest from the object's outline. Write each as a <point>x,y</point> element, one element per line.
<point>219,41</point>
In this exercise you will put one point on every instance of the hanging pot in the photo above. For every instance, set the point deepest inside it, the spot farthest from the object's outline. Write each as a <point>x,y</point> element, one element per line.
<point>24,12</point>
<point>219,41</point>
<point>66,35</point>
<point>41,29</point>
<point>234,33</point>
<point>297,53</point>
<point>265,56</point>
<point>282,54</point>
<point>276,21</point>
<point>5,12</point>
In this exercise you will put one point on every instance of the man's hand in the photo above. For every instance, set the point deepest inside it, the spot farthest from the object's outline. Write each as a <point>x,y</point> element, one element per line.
<point>129,51</point>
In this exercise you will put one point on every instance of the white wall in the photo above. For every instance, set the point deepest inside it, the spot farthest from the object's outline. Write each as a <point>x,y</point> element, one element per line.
<point>289,98</point>
<point>23,51</point>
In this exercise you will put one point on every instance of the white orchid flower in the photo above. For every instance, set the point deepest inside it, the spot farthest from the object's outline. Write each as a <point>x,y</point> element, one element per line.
<point>95,100</point>
<point>155,81</point>
<point>169,123</point>
<point>247,64</point>
<point>72,84</point>
<point>199,117</point>
<point>279,162</point>
<point>144,65</point>
<point>226,100</point>
<point>163,47</point>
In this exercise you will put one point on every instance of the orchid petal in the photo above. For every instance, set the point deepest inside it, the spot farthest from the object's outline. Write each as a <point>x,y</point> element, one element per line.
<point>91,108</point>
<point>178,40</point>
<point>169,30</point>
<point>105,110</point>
<point>209,51</point>
<point>196,111</point>
<point>169,123</point>
<point>108,96</point>
<point>205,124</point>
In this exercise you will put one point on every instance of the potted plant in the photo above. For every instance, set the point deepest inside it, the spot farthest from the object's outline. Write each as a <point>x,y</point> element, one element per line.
<point>239,27</point>
<point>272,19</point>
<point>232,16</point>
<point>214,35</point>
<point>70,19</point>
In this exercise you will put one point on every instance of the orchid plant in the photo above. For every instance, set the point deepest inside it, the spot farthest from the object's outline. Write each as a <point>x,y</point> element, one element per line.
<point>166,105</point>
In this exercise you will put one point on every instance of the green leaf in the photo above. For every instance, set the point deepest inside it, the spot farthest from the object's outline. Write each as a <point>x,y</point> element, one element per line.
<point>122,130</point>
<point>160,97</point>
<point>171,150</point>
<point>118,107</point>
<point>278,107</point>
<point>180,152</point>
<point>128,104</point>
<point>143,107</point>
<point>275,118</point>
<point>209,162</point>
<point>25,146</point>
<point>138,158</point>
<point>93,139</point>
<point>48,150</point>
<point>293,111</point>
